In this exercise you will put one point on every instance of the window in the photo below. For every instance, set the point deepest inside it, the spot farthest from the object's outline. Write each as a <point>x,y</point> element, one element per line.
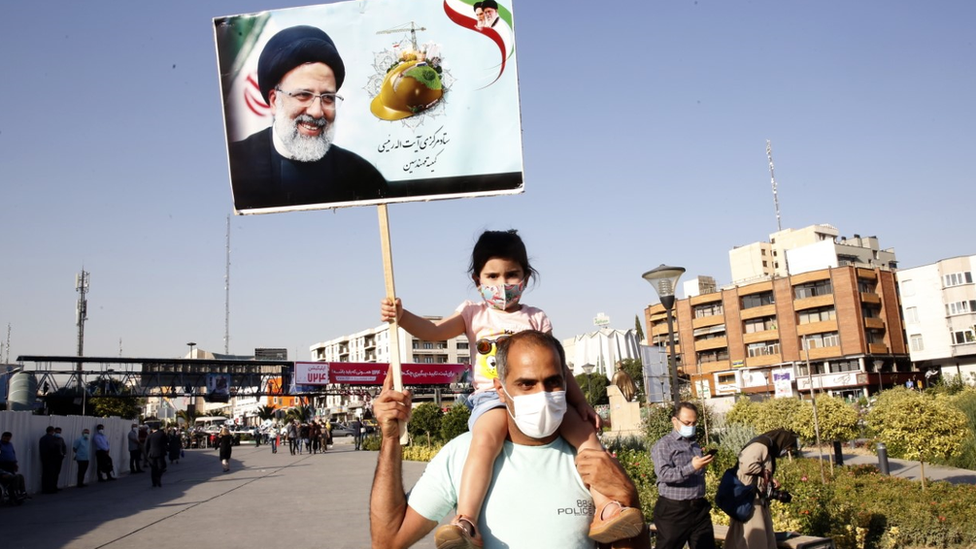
<point>462,345</point>
<point>713,356</point>
<point>957,279</point>
<point>874,337</point>
<point>911,315</point>
<point>428,345</point>
<point>712,335</point>
<point>765,264</point>
<point>866,286</point>
<point>464,360</point>
<point>726,378</point>
<point>961,307</point>
<point>757,300</point>
<point>916,342</point>
<point>963,337</point>
<point>708,309</point>
<point>815,341</point>
<point>760,324</point>
<point>907,288</point>
<point>870,311</point>
<point>815,315</point>
<point>813,289</point>
<point>763,251</point>
<point>845,366</point>
<point>763,349</point>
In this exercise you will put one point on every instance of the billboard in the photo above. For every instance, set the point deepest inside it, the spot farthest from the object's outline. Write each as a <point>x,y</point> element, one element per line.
<point>374,373</point>
<point>358,103</point>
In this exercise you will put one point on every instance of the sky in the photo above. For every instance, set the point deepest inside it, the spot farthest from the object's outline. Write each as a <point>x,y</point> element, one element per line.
<point>644,132</point>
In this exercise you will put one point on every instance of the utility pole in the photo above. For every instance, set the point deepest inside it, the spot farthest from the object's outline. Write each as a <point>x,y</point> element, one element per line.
<point>81,312</point>
<point>779,224</point>
<point>6,358</point>
<point>227,294</point>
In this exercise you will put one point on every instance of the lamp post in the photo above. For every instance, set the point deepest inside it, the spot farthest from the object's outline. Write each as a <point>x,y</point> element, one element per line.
<point>664,279</point>
<point>878,363</point>
<point>588,369</point>
<point>191,345</point>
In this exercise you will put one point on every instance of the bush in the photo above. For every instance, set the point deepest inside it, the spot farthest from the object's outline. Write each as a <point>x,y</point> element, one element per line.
<point>838,420</point>
<point>743,412</point>
<point>425,422</point>
<point>455,421</point>
<point>917,426</point>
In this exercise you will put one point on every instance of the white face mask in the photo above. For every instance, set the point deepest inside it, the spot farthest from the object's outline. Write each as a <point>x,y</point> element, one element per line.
<point>540,414</point>
<point>687,431</point>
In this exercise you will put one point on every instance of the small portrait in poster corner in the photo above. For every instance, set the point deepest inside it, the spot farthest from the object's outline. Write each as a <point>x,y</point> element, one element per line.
<point>218,387</point>
<point>351,103</point>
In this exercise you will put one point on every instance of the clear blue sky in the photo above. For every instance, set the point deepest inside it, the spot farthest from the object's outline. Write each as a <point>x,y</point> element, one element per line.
<point>644,129</point>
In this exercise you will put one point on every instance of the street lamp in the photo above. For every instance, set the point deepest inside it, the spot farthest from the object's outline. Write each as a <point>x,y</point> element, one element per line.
<point>878,363</point>
<point>588,369</point>
<point>664,279</point>
<point>191,345</point>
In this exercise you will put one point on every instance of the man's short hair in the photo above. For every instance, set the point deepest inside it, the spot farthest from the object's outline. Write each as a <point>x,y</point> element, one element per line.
<point>684,405</point>
<point>296,46</point>
<point>99,426</point>
<point>49,429</point>
<point>7,434</point>
<point>534,337</point>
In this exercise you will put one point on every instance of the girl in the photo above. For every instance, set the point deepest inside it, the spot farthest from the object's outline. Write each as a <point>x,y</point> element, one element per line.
<point>500,269</point>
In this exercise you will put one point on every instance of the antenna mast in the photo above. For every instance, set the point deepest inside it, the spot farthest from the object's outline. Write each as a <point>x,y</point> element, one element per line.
<point>6,359</point>
<point>772,178</point>
<point>81,312</point>
<point>227,294</point>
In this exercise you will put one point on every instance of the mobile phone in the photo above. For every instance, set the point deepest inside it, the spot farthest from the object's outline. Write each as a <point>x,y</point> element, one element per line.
<point>711,452</point>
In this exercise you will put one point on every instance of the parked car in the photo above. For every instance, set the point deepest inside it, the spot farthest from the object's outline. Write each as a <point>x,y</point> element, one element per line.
<point>341,430</point>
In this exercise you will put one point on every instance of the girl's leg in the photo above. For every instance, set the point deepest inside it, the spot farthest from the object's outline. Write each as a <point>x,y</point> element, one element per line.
<point>487,439</point>
<point>582,436</point>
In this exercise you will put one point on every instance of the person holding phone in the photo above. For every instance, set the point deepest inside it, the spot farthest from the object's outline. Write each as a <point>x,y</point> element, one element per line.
<point>682,514</point>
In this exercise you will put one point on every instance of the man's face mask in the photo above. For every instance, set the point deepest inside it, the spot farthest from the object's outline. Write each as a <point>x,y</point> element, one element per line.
<point>502,297</point>
<point>540,414</point>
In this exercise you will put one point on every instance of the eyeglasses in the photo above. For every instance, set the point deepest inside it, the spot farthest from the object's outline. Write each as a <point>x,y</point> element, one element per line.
<point>484,345</point>
<point>687,424</point>
<point>330,101</point>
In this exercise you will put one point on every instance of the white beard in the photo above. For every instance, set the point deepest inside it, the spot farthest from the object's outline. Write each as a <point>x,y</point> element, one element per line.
<point>303,148</point>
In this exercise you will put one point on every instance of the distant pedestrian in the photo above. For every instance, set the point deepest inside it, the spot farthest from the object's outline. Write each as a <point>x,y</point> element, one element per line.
<point>357,432</point>
<point>50,453</point>
<point>135,450</point>
<point>303,434</point>
<point>82,452</point>
<point>292,433</point>
<point>273,437</point>
<point>9,468</point>
<point>224,444</point>
<point>156,448</point>
<point>103,460</point>
<point>175,446</point>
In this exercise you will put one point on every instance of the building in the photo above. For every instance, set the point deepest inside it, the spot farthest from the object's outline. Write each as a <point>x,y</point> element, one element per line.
<point>373,345</point>
<point>753,338</point>
<point>602,349</point>
<point>796,251</point>
<point>939,308</point>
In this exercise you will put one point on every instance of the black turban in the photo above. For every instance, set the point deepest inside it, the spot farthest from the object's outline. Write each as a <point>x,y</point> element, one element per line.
<point>296,46</point>
<point>489,4</point>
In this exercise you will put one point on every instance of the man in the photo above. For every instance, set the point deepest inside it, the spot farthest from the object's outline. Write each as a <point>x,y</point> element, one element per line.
<point>49,450</point>
<point>157,445</point>
<point>559,511</point>
<point>357,432</point>
<point>295,162</point>
<point>81,447</point>
<point>8,467</point>
<point>103,461</point>
<point>291,431</point>
<point>135,450</point>
<point>682,514</point>
<point>490,8</point>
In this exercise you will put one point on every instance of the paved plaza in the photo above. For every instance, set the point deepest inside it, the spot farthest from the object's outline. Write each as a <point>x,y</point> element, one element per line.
<point>267,500</point>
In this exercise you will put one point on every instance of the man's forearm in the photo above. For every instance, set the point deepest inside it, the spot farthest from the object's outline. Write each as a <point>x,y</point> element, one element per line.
<point>387,502</point>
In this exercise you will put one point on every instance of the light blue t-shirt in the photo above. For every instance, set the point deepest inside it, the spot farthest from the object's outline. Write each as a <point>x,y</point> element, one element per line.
<point>536,497</point>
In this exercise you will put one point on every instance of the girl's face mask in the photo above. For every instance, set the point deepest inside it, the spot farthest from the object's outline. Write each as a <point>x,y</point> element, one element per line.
<point>502,297</point>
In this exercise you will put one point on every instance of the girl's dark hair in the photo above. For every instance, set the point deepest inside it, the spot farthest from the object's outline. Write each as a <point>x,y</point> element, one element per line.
<point>500,244</point>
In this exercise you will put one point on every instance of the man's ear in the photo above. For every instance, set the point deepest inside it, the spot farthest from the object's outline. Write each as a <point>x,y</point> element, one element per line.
<point>498,388</point>
<point>272,99</point>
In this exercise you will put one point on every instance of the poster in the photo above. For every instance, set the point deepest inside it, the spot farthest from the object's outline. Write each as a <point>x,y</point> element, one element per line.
<point>374,373</point>
<point>358,103</point>
<point>218,387</point>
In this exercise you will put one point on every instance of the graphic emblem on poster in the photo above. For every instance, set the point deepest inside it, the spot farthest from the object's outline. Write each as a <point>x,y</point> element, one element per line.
<point>358,103</point>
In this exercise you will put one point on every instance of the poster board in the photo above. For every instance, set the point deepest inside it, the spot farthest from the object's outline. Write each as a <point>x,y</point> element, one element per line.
<point>429,104</point>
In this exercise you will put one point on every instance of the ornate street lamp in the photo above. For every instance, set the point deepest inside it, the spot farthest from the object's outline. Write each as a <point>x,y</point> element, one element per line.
<point>664,279</point>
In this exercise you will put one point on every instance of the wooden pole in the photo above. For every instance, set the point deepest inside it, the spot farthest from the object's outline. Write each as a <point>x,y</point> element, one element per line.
<point>391,294</point>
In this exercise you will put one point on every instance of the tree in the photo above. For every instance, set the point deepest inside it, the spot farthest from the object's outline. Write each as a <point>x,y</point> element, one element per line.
<point>266,413</point>
<point>918,426</point>
<point>426,420</point>
<point>594,387</point>
<point>639,328</point>
<point>188,417</point>
<point>455,421</point>
<point>635,369</point>
<point>111,397</point>
<point>743,412</point>
<point>300,413</point>
<point>838,420</point>
<point>777,413</point>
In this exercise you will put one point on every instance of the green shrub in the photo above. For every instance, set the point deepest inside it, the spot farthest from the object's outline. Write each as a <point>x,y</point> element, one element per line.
<point>455,421</point>
<point>743,412</point>
<point>838,420</point>
<point>425,422</point>
<point>371,442</point>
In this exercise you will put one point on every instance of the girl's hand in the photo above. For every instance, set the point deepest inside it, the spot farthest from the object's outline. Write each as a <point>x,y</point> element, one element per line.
<point>589,415</point>
<point>389,311</point>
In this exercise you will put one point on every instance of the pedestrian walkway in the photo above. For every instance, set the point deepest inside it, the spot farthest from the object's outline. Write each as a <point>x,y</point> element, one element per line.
<point>904,468</point>
<point>266,500</point>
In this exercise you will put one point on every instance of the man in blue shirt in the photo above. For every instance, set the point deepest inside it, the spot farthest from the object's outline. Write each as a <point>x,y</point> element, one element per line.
<point>8,467</point>
<point>682,514</point>
<point>103,463</point>
<point>81,448</point>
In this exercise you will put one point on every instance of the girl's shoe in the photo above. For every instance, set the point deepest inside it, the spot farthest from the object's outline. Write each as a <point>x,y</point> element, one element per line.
<point>614,522</point>
<point>459,534</point>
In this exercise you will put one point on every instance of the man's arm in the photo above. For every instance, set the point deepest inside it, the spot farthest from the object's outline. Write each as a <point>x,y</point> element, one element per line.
<point>603,472</point>
<point>392,523</point>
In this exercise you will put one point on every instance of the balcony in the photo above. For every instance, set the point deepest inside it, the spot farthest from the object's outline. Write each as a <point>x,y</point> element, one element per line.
<point>821,327</point>
<point>874,323</point>
<point>820,353</point>
<point>763,360</point>
<point>713,343</point>
<point>758,312</point>
<point>868,297</point>
<point>707,321</point>
<point>877,349</point>
<point>765,335</point>
<point>815,302</point>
